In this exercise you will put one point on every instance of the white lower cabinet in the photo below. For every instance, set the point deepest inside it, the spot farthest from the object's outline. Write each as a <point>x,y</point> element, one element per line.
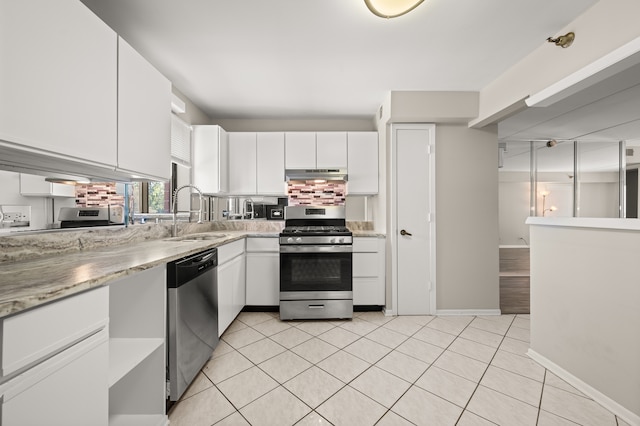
<point>263,271</point>
<point>67,389</point>
<point>55,363</point>
<point>95,358</point>
<point>137,354</point>
<point>368,271</point>
<point>231,283</point>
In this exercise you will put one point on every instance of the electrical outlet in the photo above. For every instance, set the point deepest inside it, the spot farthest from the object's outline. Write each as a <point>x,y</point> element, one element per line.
<point>15,216</point>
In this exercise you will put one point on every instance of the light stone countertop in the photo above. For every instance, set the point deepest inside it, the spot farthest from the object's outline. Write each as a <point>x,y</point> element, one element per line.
<point>32,282</point>
<point>368,233</point>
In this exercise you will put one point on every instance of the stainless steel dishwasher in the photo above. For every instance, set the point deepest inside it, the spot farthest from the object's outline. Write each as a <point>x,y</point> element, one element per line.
<point>192,329</point>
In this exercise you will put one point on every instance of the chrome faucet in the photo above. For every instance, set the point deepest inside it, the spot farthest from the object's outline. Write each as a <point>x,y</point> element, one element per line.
<point>174,229</point>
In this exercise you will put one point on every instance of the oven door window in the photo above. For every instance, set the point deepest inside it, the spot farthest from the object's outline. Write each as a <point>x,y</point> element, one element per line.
<point>315,271</point>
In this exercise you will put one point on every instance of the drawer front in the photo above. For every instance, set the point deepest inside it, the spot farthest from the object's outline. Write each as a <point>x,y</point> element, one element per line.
<point>229,251</point>
<point>365,245</point>
<point>36,334</point>
<point>263,244</point>
<point>315,309</point>
<point>368,291</point>
<point>70,388</point>
<point>366,265</point>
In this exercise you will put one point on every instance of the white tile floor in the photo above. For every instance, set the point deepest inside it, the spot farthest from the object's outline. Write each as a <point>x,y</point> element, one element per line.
<point>377,370</point>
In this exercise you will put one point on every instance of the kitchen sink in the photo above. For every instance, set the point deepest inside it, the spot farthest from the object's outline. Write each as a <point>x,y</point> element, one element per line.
<point>197,237</point>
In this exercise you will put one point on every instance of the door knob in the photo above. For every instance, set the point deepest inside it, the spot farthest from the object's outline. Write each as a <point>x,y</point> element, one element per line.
<point>403,232</point>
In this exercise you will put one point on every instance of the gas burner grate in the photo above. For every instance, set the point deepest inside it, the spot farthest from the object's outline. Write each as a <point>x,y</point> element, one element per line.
<point>315,230</point>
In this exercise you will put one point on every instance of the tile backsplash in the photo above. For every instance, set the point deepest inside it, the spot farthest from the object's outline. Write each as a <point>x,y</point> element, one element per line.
<point>312,193</point>
<point>98,195</point>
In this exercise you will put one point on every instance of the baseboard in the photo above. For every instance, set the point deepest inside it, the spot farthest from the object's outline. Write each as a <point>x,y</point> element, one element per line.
<point>450,312</point>
<point>608,403</point>
<point>445,312</point>
<point>368,308</point>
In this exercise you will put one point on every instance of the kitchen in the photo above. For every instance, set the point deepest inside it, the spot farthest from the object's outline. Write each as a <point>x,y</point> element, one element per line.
<point>456,236</point>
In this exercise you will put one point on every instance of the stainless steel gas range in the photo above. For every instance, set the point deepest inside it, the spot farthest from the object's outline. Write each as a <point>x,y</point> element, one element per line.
<point>316,264</point>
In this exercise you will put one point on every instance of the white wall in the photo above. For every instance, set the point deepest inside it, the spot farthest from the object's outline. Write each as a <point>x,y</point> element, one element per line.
<point>467,259</point>
<point>192,115</point>
<point>584,310</point>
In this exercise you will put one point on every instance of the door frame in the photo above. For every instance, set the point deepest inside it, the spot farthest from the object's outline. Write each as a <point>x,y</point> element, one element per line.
<point>393,224</point>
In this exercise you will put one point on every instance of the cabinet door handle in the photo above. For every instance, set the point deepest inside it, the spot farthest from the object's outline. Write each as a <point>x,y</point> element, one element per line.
<point>403,232</point>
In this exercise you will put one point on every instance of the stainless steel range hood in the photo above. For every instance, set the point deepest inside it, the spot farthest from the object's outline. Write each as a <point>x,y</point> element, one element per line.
<point>315,174</point>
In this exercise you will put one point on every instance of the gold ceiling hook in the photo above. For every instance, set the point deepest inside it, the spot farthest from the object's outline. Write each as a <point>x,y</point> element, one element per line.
<point>563,41</point>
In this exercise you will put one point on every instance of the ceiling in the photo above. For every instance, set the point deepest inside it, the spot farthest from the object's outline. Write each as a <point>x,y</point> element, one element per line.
<point>328,58</point>
<point>604,111</point>
<point>608,111</point>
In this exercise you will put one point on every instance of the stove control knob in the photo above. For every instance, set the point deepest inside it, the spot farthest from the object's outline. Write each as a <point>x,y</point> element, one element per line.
<point>289,240</point>
<point>298,240</point>
<point>332,241</point>
<point>341,240</point>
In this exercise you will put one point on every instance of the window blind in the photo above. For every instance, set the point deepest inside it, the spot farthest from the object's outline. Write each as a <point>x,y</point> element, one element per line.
<point>180,141</point>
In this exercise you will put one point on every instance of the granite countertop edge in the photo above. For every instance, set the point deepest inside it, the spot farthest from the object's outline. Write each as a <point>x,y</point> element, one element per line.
<point>31,283</point>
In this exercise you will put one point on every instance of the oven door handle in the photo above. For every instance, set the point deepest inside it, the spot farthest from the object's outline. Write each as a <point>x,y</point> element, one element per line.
<point>316,249</point>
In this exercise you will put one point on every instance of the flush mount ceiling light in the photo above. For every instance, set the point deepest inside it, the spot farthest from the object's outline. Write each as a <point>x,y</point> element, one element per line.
<point>391,8</point>
<point>563,41</point>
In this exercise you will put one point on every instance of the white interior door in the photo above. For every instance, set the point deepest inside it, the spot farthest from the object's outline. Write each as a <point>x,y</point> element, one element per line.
<point>414,231</point>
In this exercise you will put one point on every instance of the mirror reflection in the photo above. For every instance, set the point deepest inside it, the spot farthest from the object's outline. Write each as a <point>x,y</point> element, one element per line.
<point>34,203</point>
<point>565,179</point>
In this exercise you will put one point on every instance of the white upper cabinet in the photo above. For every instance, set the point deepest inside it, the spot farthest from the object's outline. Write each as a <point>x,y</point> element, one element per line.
<point>34,185</point>
<point>300,150</point>
<point>242,163</point>
<point>144,116</point>
<point>59,82</point>
<point>311,150</point>
<point>256,163</point>
<point>74,93</point>
<point>331,150</point>
<point>362,167</point>
<point>210,159</point>
<point>270,163</point>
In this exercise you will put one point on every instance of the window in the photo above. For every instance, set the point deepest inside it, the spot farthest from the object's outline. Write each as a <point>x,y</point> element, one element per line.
<point>153,197</point>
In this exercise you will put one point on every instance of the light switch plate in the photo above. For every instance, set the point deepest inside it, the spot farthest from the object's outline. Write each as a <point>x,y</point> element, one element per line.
<point>15,216</point>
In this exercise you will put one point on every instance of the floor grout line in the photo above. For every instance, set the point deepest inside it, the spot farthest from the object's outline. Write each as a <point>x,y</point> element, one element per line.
<point>387,327</point>
<point>480,380</point>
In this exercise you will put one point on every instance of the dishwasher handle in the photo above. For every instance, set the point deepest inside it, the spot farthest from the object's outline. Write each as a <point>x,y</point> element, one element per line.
<point>199,260</point>
<point>184,270</point>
